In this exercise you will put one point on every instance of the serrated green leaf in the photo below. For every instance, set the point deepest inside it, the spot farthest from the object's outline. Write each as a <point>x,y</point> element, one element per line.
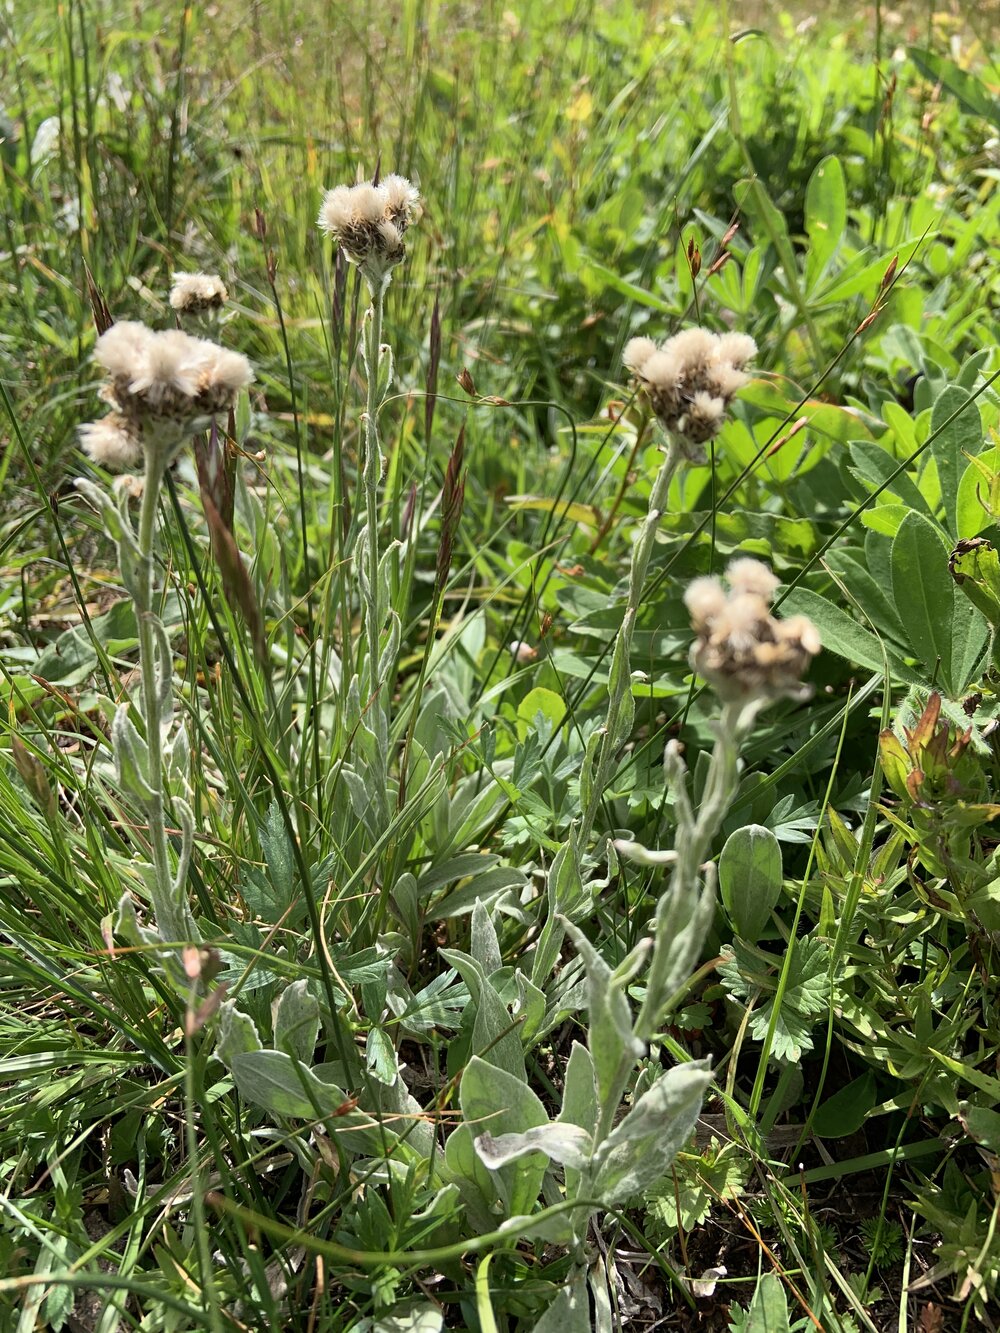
<point>752,973</point>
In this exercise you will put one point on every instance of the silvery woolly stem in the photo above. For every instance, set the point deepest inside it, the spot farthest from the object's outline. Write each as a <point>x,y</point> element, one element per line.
<point>371,474</point>
<point>618,721</point>
<point>683,912</point>
<point>173,919</point>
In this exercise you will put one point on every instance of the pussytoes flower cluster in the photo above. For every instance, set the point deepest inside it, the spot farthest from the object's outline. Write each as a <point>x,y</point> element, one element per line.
<point>162,387</point>
<point>741,649</point>
<point>691,379</point>
<point>197,293</point>
<point>369,221</point>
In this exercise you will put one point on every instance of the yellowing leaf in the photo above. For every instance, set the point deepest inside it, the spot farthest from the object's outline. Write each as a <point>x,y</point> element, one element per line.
<point>575,512</point>
<point>581,108</point>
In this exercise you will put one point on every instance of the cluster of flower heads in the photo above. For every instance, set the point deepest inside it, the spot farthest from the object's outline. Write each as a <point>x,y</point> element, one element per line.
<point>741,649</point>
<point>197,293</point>
<point>691,379</point>
<point>162,387</point>
<point>369,221</point>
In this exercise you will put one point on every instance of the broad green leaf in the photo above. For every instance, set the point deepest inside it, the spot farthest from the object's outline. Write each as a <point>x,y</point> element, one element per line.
<point>955,426</point>
<point>579,1106</point>
<point>613,1046</point>
<point>884,518</point>
<point>484,942</point>
<point>572,510</point>
<point>539,700</point>
<point>422,1319</point>
<point>563,1143</point>
<point>845,637</point>
<point>750,876</point>
<point>236,1033</point>
<point>825,418</point>
<point>868,592</point>
<point>875,465</point>
<point>975,567</point>
<point>494,1031</point>
<point>844,1113</point>
<point>852,281</point>
<point>978,505</point>
<point>981,1124</point>
<point>278,853</point>
<point>768,1312</point>
<point>570,1311</point>
<point>478,1188</point>
<point>380,1056</point>
<point>941,625</point>
<point>970,91</point>
<point>825,215</point>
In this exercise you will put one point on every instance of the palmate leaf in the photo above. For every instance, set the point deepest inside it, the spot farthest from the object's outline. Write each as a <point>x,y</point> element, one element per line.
<point>694,1184</point>
<point>752,974</point>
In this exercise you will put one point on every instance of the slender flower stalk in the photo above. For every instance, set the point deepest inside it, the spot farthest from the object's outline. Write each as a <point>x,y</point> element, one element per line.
<point>621,707</point>
<point>688,383</point>
<point>750,659</point>
<point>371,477</point>
<point>163,388</point>
<point>368,221</point>
<point>173,917</point>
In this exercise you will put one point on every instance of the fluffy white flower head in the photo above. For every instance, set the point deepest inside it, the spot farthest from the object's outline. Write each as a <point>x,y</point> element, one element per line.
<point>745,653</point>
<point>368,222</point>
<point>196,293</point>
<point>690,381</point>
<point>163,386</point>
<point>109,443</point>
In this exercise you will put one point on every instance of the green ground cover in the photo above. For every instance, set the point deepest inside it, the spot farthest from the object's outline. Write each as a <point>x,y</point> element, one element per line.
<point>436,1053</point>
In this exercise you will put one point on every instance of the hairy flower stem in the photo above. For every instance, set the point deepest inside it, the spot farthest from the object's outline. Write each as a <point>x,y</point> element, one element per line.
<point>371,475</point>
<point>684,911</point>
<point>173,919</point>
<point>618,722</point>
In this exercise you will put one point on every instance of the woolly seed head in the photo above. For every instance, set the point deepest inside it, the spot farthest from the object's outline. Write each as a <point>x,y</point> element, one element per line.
<point>746,574</point>
<point>741,649</point>
<point>368,203</point>
<point>197,293</point>
<point>110,443</point>
<point>705,601</point>
<point>122,349</point>
<point>704,417</point>
<point>736,349</point>
<point>402,199</point>
<point>168,377</point>
<point>368,222</point>
<point>336,212</point>
<point>690,347</point>
<point>690,381</point>
<point>723,379</point>
<point>661,371</point>
<point>390,242</point>
<point>801,630</point>
<point>636,354</point>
